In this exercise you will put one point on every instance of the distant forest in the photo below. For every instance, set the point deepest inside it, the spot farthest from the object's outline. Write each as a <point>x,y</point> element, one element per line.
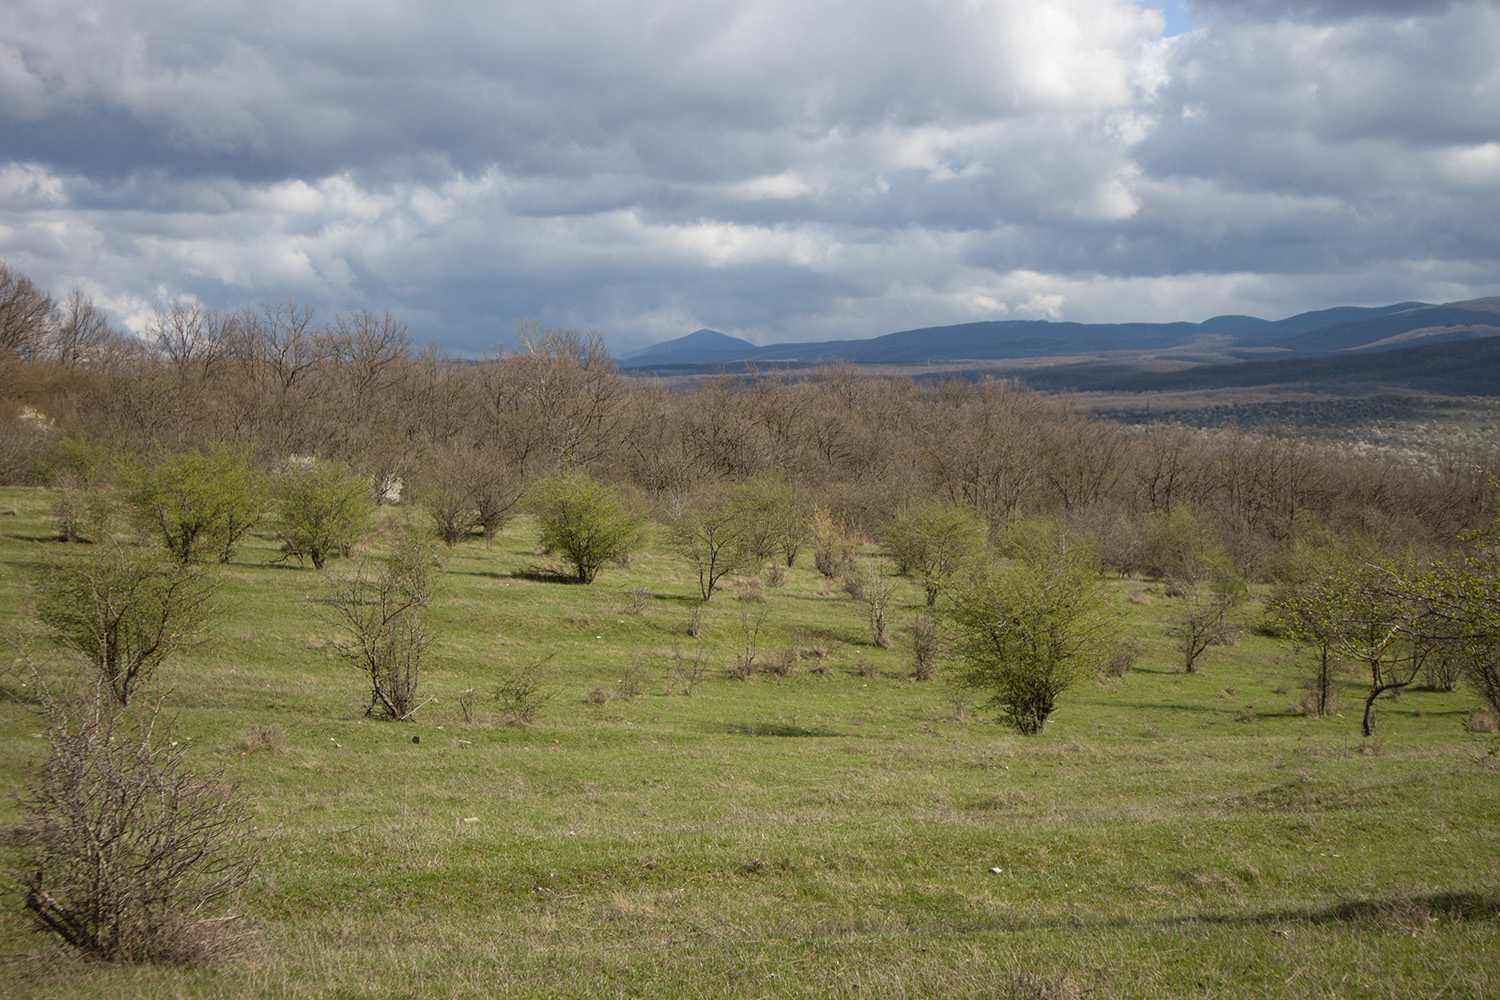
<point>279,383</point>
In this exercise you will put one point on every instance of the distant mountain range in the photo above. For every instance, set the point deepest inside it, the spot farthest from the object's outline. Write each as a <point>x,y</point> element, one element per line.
<point>1338,332</point>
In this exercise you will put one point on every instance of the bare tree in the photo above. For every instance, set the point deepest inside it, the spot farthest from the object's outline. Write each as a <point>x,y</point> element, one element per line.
<point>26,313</point>
<point>381,614</point>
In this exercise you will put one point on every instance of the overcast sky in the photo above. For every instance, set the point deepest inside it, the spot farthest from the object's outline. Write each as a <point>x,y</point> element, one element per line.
<point>774,169</point>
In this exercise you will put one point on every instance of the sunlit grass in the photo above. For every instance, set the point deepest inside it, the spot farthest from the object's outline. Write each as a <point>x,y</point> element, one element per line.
<point>843,831</point>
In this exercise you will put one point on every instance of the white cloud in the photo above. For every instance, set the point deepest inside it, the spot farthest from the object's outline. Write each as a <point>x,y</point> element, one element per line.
<point>771,168</point>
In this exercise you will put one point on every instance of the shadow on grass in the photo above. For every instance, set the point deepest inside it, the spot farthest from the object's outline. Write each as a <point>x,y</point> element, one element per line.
<point>813,635</point>
<point>1404,913</point>
<point>781,729</point>
<point>543,574</point>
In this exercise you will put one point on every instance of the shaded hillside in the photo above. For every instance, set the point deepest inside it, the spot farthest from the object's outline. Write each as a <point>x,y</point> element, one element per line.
<point>1453,321</point>
<point>1453,368</point>
<point>1317,332</point>
<point>700,347</point>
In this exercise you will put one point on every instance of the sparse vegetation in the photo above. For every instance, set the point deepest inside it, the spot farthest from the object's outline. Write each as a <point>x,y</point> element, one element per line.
<point>825,826</point>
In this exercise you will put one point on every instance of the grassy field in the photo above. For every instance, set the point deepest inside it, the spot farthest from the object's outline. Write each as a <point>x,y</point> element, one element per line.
<point>666,830</point>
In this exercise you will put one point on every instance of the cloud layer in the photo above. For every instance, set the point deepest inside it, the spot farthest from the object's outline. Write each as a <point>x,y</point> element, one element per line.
<point>769,168</point>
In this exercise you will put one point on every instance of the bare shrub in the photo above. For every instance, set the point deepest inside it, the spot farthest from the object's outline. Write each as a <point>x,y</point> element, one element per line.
<point>1120,657</point>
<point>599,696</point>
<point>1483,719</point>
<point>1442,672</point>
<point>852,582</point>
<point>128,855</point>
<point>775,575</point>
<point>696,622</point>
<point>523,693</point>
<point>866,669</point>
<point>783,663</point>
<point>751,623</point>
<point>749,588</point>
<point>466,706</point>
<point>629,687</point>
<point>636,601</point>
<point>382,617</point>
<point>875,590</point>
<point>926,647</point>
<point>689,671</point>
<point>268,737</point>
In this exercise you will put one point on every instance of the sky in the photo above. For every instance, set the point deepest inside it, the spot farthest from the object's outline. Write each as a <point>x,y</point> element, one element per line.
<point>772,169</point>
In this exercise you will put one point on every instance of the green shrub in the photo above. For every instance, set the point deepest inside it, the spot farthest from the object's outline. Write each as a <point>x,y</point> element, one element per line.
<point>585,521</point>
<point>325,510</point>
<point>200,504</point>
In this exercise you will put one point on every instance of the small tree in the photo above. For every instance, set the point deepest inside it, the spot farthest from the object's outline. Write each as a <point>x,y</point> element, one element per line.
<point>324,510</point>
<point>1360,612</point>
<point>933,539</point>
<point>770,518</point>
<point>1205,617</point>
<point>585,521</point>
<point>708,533</point>
<point>381,614</point>
<point>1300,608</point>
<point>125,610</point>
<point>200,504</point>
<point>833,551</point>
<point>1027,632</point>
<point>128,855</point>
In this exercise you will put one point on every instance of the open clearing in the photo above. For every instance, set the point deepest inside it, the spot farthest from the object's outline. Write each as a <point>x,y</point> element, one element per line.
<point>843,831</point>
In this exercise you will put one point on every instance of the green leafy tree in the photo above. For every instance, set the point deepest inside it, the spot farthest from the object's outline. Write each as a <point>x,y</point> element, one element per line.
<point>199,503</point>
<point>324,511</point>
<point>1026,632</point>
<point>933,540</point>
<point>587,522</point>
<point>1461,611</point>
<point>126,610</point>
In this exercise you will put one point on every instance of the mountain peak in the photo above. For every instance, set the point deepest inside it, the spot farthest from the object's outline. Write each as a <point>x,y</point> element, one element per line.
<point>701,347</point>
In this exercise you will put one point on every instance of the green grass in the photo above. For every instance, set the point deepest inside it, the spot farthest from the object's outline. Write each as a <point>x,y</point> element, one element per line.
<point>834,833</point>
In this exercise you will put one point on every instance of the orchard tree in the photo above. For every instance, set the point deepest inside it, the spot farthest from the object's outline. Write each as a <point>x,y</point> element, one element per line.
<point>381,614</point>
<point>1206,616</point>
<point>1461,611</point>
<point>770,518</point>
<point>709,532</point>
<point>1361,612</point>
<point>587,522</point>
<point>1028,631</point>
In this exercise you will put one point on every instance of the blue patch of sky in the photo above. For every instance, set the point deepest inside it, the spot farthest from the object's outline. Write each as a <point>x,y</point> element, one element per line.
<point>1179,17</point>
